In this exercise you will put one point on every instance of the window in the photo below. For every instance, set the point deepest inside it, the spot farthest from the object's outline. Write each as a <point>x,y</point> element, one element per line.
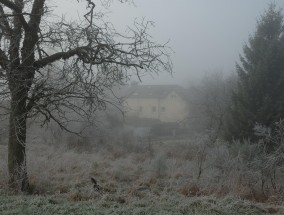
<point>163,109</point>
<point>154,109</point>
<point>140,109</point>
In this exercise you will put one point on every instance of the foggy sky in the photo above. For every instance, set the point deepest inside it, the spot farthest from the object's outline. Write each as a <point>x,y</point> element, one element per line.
<point>206,35</point>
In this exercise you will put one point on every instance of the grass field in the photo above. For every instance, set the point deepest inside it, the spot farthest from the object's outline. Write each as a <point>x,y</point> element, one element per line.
<point>149,178</point>
<point>47,205</point>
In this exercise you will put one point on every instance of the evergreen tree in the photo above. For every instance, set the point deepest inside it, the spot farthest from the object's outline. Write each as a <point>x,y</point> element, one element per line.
<point>259,97</point>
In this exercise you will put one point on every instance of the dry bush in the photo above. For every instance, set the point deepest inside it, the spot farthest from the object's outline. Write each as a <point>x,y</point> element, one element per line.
<point>182,151</point>
<point>243,169</point>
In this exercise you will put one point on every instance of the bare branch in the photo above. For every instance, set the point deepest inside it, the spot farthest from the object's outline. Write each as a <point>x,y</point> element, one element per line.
<point>17,10</point>
<point>4,21</point>
<point>60,55</point>
<point>3,60</point>
<point>37,12</point>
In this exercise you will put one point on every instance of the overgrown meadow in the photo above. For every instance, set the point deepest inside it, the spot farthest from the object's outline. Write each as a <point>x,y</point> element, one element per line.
<point>150,176</point>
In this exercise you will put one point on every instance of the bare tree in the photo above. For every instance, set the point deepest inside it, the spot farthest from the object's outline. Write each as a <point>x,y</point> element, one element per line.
<point>210,101</point>
<point>53,67</point>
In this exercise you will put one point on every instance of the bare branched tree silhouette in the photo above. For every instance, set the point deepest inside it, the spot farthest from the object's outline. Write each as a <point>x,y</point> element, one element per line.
<point>51,67</point>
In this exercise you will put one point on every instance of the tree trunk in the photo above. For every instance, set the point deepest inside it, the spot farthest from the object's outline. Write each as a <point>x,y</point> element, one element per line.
<point>17,143</point>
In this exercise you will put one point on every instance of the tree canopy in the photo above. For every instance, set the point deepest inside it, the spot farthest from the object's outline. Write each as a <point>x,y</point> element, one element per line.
<point>51,67</point>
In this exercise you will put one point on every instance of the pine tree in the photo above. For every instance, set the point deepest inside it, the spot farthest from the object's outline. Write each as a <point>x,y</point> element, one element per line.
<point>259,97</point>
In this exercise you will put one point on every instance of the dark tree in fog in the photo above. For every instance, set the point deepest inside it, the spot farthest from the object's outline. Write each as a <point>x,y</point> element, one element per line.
<point>260,94</point>
<point>51,67</point>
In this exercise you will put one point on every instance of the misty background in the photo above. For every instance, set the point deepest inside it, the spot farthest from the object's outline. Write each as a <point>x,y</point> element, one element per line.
<point>206,36</point>
<point>83,140</point>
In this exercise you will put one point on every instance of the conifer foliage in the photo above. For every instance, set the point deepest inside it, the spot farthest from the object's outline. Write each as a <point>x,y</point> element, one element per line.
<point>259,98</point>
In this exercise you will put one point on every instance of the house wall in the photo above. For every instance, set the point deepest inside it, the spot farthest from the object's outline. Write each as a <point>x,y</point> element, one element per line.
<point>172,108</point>
<point>176,108</point>
<point>143,107</point>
